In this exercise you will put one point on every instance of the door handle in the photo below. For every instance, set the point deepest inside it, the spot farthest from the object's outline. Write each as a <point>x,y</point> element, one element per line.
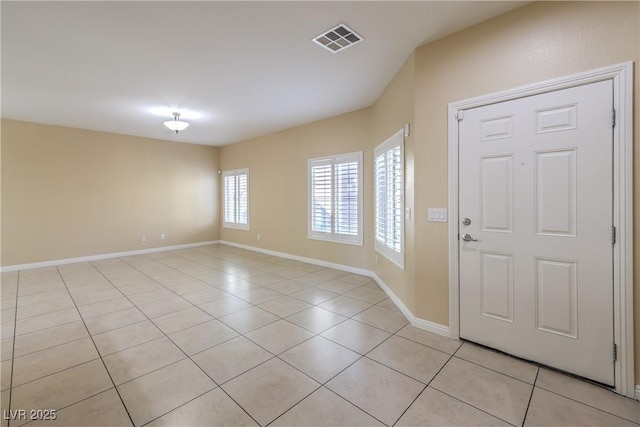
<point>467,238</point>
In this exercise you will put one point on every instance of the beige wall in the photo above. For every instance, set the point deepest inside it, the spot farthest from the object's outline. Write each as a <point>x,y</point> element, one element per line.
<point>278,184</point>
<point>539,41</point>
<point>99,191</point>
<point>70,192</point>
<point>534,43</point>
<point>278,187</point>
<point>391,112</point>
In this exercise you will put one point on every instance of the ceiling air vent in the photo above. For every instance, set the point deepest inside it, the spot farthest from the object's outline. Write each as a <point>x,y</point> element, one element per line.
<point>338,38</point>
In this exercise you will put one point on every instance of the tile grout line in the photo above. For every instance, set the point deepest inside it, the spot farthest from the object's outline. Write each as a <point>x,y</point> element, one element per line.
<point>279,318</point>
<point>119,327</point>
<point>361,356</point>
<point>51,327</point>
<point>136,345</point>
<point>96,347</point>
<point>587,404</point>
<point>533,388</point>
<point>222,259</point>
<point>61,370</point>
<point>538,368</point>
<point>255,305</point>
<point>74,403</point>
<point>191,400</point>
<point>462,401</point>
<point>402,373</point>
<point>218,385</point>
<point>430,381</point>
<point>355,361</point>
<point>161,284</point>
<point>198,307</point>
<point>249,280</point>
<point>277,357</point>
<point>273,356</point>
<point>324,384</point>
<point>13,348</point>
<point>472,406</point>
<point>39,294</point>
<point>42,314</point>
<point>177,346</point>
<point>411,404</point>
<point>294,405</point>
<point>195,305</point>
<point>407,375</point>
<point>147,316</point>
<point>58,372</point>
<point>497,372</point>
<point>345,399</point>
<point>309,330</point>
<point>169,289</point>
<point>426,345</point>
<point>451,356</point>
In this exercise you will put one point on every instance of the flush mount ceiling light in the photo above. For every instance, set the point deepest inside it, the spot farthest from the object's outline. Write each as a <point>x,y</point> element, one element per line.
<point>338,38</point>
<point>176,124</point>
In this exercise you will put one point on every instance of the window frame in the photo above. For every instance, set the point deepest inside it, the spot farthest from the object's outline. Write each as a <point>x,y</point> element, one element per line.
<point>234,224</point>
<point>334,236</point>
<point>384,247</point>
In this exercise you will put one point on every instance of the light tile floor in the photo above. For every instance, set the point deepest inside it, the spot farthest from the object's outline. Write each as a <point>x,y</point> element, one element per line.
<point>222,336</point>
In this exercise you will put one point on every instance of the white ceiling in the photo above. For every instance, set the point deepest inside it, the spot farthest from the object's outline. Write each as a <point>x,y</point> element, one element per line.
<point>235,70</point>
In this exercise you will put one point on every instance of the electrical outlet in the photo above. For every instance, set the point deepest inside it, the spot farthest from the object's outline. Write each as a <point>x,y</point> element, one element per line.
<point>258,237</point>
<point>143,238</point>
<point>162,236</point>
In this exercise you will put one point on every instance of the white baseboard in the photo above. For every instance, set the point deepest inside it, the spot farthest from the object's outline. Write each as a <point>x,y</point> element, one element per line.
<point>103,256</point>
<point>313,261</point>
<point>415,321</point>
<point>435,328</point>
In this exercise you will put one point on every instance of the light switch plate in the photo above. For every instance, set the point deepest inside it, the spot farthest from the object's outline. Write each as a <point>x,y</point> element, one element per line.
<point>437,215</point>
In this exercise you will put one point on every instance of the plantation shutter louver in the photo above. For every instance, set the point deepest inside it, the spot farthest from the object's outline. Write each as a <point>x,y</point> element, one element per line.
<point>335,198</point>
<point>346,198</point>
<point>389,198</point>
<point>236,199</point>
<point>321,197</point>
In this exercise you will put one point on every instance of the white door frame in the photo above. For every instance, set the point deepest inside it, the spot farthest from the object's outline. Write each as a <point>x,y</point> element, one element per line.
<point>622,77</point>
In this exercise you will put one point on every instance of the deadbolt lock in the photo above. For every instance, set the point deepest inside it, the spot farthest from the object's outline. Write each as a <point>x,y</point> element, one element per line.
<point>466,221</point>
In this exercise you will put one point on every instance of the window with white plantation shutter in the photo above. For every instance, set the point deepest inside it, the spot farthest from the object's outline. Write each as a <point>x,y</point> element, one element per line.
<point>335,198</point>
<point>236,199</point>
<point>389,198</point>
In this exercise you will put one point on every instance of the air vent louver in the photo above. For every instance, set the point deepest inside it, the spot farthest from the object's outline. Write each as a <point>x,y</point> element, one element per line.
<point>338,38</point>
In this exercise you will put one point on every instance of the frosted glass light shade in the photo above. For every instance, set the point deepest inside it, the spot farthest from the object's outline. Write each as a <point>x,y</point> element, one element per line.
<point>176,125</point>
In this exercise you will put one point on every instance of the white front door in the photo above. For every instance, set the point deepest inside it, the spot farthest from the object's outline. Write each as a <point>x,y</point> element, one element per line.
<point>535,194</point>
